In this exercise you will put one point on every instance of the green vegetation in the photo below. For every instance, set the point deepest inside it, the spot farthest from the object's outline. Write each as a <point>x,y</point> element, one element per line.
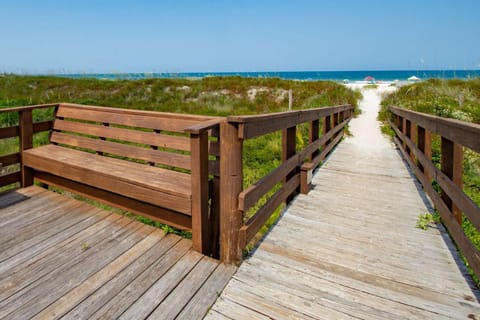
<point>218,96</point>
<point>458,99</point>
<point>427,220</point>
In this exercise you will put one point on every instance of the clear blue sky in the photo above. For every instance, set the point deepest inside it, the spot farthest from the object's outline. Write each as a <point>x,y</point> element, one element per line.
<point>47,36</point>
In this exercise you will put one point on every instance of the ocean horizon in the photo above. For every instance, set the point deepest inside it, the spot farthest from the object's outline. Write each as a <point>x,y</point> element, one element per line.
<point>379,75</point>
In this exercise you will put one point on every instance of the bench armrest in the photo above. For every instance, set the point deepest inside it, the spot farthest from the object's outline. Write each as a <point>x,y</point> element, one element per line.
<point>203,126</point>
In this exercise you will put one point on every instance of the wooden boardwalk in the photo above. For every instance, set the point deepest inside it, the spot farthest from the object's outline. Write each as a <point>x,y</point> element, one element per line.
<point>62,258</point>
<point>350,248</point>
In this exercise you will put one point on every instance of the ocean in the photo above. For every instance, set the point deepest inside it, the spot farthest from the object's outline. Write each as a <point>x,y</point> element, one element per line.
<point>384,75</point>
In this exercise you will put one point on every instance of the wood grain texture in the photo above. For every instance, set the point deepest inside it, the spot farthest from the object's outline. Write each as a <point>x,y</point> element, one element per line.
<point>350,249</point>
<point>84,262</point>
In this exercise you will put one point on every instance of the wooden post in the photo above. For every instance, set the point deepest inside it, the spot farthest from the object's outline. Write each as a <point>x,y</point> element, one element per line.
<point>26,142</point>
<point>327,126</point>
<point>407,131</point>
<point>313,136</point>
<point>452,166</point>
<point>336,119</point>
<point>231,184</point>
<point>200,220</point>
<point>425,145</point>
<point>289,139</point>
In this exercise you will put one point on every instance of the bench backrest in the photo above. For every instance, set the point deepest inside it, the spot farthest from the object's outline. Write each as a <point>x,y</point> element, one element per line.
<point>153,138</point>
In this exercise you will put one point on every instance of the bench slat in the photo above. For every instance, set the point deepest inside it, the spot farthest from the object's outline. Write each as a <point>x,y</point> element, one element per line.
<point>154,185</point>
<point>136,136</point>
<point>126,119</point>
<point>123,150</point>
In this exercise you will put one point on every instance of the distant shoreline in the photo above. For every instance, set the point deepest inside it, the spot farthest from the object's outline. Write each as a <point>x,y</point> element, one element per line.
<point>338,76</point>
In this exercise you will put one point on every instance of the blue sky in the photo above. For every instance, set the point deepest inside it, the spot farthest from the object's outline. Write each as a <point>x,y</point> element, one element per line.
<point>188,36</point>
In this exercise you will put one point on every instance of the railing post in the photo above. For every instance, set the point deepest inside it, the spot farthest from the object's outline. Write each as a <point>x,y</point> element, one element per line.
<point>425,145</point>
<point>452,166</point>
<point>26,142</point>
<point>289,139</point>
<point>231,184</point>
<point>327,126</point>
<point>313,136</point>
<point>407,131</point>
<point>201,230</point>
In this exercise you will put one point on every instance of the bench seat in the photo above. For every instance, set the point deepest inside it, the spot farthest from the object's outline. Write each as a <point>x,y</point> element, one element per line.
<point>161,187</point>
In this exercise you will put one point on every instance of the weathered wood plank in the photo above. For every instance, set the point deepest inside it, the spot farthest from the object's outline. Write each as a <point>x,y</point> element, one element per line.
<point>175,262</point>
<point>136,136</point>
<point>155,294</point>
<point>184,291</point>
<point>199,304</point>
<point>123,150</point>
<point>87,287</point>
<point>111,289</point>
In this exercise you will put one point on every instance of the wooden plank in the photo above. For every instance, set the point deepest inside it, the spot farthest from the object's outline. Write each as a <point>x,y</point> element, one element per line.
<point>424,144</point>
<point>126,117</point>
<point>14,256</point>
<point>155,213</point>
<point>9,132</point>
<point>199,304</point>
<point>69,277</point>
<point>136,136</point>
<point>154,295</point>
<point>26,108</point>
<point>225,308</point>
<point>275,306</point>
<point>248,231</point>
<point>461,132</point>
<point>201,229</point>
<point>86,288</point>
<point>10,178</point>
<point>121,177</point>
<point>107,292</point>
<point>231,184</point>
<point>254,126</point>
<point>166,115</point>
<point>123,150</point>
<point>42,126</point>
<point>17,283</point>
<point>10,159</point>
<point>185,290</point>
<point>160,278</point>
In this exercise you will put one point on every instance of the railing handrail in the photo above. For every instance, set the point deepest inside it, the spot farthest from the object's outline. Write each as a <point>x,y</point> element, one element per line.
<point>462,132</point>
<point>26,108</point>
<point>452,203</point>
<point>257,125</point>
<point>292,172</point>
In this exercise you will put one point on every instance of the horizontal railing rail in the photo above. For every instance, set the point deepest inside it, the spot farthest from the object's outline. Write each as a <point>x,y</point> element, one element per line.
<point>414,138</point>
<point>293,173</point>
<point>25,130</point>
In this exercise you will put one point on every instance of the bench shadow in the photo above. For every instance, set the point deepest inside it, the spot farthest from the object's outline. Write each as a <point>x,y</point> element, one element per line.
<point>10,198</point>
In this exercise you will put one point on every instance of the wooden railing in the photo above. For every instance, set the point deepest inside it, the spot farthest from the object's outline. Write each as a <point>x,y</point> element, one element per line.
<point>294,172</point>
<point>25,130</point>
<point>414,138</point>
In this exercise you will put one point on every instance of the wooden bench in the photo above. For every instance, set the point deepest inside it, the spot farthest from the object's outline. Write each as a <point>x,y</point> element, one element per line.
<point>154,164</point>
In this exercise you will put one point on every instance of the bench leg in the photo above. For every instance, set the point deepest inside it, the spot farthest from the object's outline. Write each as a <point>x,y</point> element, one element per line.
<point>201,229</point>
